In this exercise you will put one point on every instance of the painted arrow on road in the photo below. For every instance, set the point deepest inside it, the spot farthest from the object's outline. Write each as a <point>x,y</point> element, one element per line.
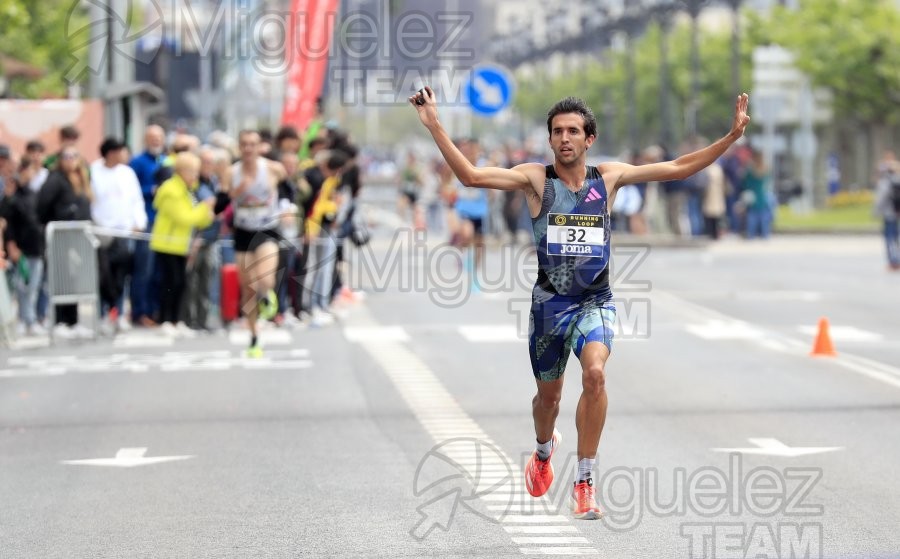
<point>774,447</point>
<point>127,458</point>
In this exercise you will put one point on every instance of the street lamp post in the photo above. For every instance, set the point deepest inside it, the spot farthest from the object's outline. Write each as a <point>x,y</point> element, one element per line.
<point>693,8</point>
<point>632,23</point>
<point>631,90</point>
<point>664,17</point>
<point>735,46</point>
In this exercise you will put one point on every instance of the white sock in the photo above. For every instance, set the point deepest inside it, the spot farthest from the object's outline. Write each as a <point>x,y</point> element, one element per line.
<point>584,469</point>
<point>544,449</point>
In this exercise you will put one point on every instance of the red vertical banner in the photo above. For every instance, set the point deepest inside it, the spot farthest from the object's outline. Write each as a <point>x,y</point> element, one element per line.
<point>310,28</point>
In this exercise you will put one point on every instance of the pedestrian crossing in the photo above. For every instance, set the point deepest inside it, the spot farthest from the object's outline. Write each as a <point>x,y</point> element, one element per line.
<point>148,339</point>
<point>143,363</point>
<point>497,481</point>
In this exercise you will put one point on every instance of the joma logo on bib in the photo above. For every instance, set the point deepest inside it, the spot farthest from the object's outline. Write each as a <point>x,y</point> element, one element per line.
<point>575,249</point>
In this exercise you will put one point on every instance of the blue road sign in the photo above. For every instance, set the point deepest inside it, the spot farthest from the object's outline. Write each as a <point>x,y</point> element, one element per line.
<point>490,90</point>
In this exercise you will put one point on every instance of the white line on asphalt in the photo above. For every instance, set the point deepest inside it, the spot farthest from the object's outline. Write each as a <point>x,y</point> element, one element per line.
<point>555,540</point>
<point>444,419</point>
<point>540,529</point>
<point>865,367</point>
<point>30,343</point>
<point>447,421</point>
<point>15,373</point>
<point>266,337</point>
<point>503,495</point>
<point>174,361</point>
<point>537,506</point>
<point>757,296</point>
<point>285,353</point>
<point>775,341</point>
<point>366,335</point>
<point>536,519</point>
<point>279,365</point>
<point>559,551</point>
<point>843,333</point>
<point>774,345</point>
<point>139,340</point>
<point>471,463</point>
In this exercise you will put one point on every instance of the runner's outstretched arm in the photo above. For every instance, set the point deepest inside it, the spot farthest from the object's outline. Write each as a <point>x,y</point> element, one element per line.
<point>686,165</point>
<point>495,178</point>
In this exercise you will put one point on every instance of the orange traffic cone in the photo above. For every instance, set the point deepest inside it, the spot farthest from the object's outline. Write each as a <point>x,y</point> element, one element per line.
<point>823,345</point>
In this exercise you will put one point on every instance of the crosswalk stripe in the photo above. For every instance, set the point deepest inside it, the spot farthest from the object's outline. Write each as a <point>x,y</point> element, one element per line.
<point>559,551</point>
<point>556,540</point>
<point>266,338</point>
<point>566,529</point>
<point>444,419</point>
<point>143,363</point>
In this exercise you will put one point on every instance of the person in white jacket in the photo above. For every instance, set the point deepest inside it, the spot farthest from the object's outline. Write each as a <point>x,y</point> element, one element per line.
<point>118,207</point>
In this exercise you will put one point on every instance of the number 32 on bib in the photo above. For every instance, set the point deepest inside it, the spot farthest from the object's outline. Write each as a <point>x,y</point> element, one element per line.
<point>576,235</point>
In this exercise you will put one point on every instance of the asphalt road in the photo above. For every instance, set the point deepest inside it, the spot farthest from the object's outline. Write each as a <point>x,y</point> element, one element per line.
<point>411,415</point>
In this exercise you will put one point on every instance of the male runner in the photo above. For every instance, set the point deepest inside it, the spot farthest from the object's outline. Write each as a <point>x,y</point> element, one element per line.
<point>572,305</point>
<point>252,185</point>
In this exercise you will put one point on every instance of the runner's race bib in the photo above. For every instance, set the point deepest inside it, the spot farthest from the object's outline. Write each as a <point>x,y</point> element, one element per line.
<point>252,217</point>
<point>576,235</point>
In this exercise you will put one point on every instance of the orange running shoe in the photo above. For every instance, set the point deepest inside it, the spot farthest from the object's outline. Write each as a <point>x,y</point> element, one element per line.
<point>584,506</point>
<point>539,473</point>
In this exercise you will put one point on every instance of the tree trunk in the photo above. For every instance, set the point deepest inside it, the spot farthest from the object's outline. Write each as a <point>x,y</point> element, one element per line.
<point>880,141</point>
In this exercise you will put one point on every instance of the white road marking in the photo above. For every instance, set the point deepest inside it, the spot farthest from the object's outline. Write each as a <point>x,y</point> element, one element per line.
<point>445,420</point>
<point>843,334</point>
<point>535,519</point>
<point>30,343</point>
<point>540,529</point>
<point>156,339</point>
<point>872,369</point>
<point>775,295</point>
<point>142,363</point>
<point>16,373</point>
<point>363,334</point>
<point>556,540</point>
<point>559,551</point>
<point>127,458</point>
<point>771,340</point>
<point>758,296</point>
<point>774,447</point>
<point>532,507</point>
<point>499,496</point>
<point>143,340</point>
<point>266,338</point>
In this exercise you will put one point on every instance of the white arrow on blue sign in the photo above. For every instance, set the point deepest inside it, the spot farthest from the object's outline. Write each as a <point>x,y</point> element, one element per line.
<point>490,89</point>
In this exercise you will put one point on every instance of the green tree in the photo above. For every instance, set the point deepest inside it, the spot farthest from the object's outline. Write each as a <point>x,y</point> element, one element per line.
<point>603,86</point>
<point>851,47</point>
<point>38,32</point>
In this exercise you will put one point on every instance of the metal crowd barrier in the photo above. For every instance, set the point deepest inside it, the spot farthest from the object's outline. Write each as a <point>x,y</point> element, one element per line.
<point>72,269</point>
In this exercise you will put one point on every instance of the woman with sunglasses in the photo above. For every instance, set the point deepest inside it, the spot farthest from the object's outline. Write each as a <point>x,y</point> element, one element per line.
<point>66,196</point>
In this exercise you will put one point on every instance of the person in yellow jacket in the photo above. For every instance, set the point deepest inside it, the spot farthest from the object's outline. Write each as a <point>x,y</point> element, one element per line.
<point>177,216</point>
<point>320,223</point>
